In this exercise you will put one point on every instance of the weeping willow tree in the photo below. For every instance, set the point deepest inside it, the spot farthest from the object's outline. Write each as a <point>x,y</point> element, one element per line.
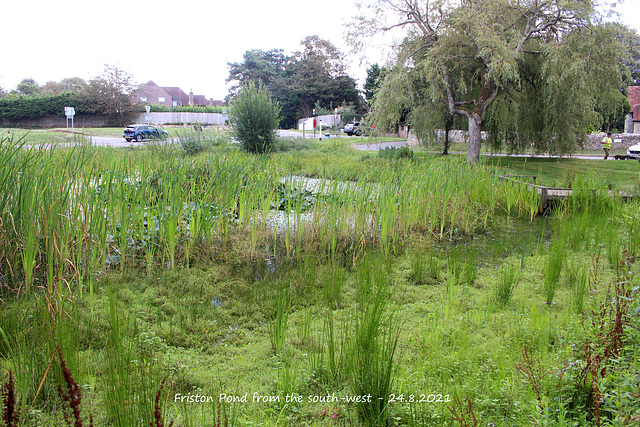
<point>564,91</point>
<point>405,95</point>
<point>504,59</point>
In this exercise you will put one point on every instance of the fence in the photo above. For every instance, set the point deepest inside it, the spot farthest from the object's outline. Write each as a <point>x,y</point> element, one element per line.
<point>182,117</point>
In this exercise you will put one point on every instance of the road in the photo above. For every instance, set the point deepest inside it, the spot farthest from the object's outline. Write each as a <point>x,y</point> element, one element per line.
<point>121,142</point>
<point>112,142</point>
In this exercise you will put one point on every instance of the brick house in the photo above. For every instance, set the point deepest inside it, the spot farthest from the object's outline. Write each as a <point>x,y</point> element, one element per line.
<point>632,124</point>
<point>152,94</point>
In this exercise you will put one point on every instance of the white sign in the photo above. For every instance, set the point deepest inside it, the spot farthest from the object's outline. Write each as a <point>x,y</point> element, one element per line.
<point>69,111</point>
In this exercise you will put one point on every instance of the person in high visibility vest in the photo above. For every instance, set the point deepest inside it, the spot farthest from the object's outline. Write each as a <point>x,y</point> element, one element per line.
<point>607,142</point>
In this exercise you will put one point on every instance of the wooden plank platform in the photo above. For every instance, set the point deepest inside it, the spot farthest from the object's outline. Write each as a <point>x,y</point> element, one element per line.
<point>549,195</point>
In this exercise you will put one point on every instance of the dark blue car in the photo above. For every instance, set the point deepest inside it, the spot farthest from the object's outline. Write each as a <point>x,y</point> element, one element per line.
<point>140,132</point>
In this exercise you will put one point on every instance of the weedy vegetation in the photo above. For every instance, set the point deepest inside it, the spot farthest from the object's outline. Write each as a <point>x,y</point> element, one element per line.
<point>198,284</point>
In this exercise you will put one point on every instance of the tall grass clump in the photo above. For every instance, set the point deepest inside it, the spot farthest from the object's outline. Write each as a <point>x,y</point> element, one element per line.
<point>553,268</point>
<point>372,351</point>
<point>419,268</point>
<point>255,118</point>
<point>508,277</point>
<point>195,140</point>
<point>333,280</point>
<point>130,377</point>
<point>279,323</point>
<point>578,280</point>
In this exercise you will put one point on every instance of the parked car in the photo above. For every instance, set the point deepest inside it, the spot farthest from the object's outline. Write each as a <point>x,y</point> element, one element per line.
<point>634,152</point>
<point>352,128</point>
<point>141,132</point>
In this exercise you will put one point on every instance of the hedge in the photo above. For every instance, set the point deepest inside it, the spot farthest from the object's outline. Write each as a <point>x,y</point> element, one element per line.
<point>31,107</point>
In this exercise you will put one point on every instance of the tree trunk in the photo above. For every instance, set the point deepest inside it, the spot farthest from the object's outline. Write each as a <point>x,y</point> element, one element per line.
<point>448,125</point>
<point>445,152</point>
<point>475,138</point>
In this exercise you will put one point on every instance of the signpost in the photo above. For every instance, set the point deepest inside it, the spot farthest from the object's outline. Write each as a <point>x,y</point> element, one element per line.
<point>69,112</point>
<point>148,108</point>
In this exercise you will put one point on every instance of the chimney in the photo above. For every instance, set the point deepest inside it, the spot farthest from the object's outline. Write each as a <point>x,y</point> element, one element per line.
<point>191,97</point>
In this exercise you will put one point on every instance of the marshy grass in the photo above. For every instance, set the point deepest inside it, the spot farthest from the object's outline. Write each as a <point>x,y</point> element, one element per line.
<point>299,273</point>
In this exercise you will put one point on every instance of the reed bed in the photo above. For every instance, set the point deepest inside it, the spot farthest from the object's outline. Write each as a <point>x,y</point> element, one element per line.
<point>299,273</point>
<point>76,213</point>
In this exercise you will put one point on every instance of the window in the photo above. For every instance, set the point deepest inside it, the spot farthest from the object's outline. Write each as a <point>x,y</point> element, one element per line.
<point>161,100</point>
<point>143,99</point>
<point>175,103</point>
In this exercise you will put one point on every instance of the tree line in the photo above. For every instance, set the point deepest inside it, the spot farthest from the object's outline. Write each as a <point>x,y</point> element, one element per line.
<point>108,94</point>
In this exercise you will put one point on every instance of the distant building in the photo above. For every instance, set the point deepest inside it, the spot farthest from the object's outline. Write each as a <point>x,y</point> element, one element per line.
<point>632,124</point>
<point>152,94</point>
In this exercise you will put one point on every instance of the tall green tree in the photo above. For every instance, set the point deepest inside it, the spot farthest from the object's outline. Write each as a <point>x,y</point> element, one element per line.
<point>375,75</point>
<point>258,66</point>
<point>406,97</point>
<point>71,84</point>
<point>313,76</point>
<point>318,77</point>
<point>629,63</point>
<point>110,94</point>
<point>477,51</point>
<point>28,87</point>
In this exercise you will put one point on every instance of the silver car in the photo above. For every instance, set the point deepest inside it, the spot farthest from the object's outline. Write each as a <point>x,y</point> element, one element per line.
<point>352,128</point>
<point>634,151</point>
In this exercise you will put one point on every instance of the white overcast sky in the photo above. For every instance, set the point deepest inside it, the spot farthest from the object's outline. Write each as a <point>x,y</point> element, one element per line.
<point>185,43</point>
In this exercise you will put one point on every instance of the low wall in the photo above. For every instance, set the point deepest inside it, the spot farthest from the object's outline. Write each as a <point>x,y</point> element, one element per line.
<point>79,121</point>
<point>455,137</point>
<point>621,141</point>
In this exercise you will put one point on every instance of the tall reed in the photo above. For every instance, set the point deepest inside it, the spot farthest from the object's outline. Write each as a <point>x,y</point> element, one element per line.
<point>578,278</point>
<point>508,277</point>
<point>130,379</point>
<point>553,268</point>
<point>279,324</point>
<point>372,350</point>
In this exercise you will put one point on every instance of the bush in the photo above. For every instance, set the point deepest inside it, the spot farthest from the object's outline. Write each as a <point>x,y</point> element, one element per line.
<point>255,117</point>
<point>392,153</point>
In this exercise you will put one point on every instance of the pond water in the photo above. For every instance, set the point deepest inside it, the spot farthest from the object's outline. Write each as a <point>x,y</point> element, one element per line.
<point>508,239</point>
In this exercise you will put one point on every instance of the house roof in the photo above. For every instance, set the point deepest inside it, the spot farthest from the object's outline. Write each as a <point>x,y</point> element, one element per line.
<point>200,100</point>
<point>634,100</point>
<point>178,95</point>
